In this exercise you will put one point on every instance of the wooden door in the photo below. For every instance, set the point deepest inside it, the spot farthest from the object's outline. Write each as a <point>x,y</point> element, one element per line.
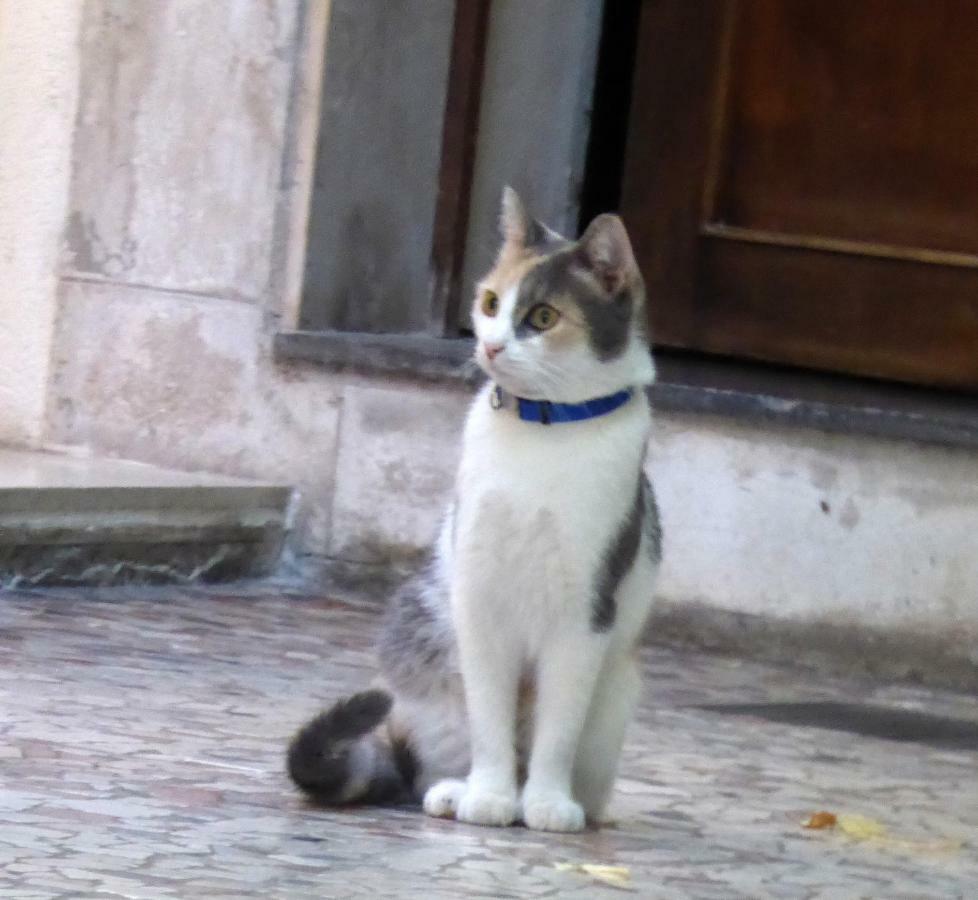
<point>801,181</point>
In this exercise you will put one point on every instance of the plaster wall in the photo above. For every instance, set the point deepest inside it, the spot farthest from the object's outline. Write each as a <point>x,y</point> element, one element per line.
<point>38,88</point>
<point>178,261</point>
<point>180,264</point>
<point>789,524</point>
<point>824,528</point>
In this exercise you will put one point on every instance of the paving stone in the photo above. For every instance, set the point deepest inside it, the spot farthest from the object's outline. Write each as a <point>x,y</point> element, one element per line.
<point>143,731</point>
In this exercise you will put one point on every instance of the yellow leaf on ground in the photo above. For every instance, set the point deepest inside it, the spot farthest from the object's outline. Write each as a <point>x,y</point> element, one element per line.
<point>861,828</point>
<point>616,876</point>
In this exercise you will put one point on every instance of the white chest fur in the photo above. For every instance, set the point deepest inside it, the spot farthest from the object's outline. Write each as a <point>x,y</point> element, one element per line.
<point>538,504</point>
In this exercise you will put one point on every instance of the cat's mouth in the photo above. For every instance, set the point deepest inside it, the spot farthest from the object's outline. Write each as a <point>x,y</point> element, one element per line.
<point>505,372</point>
<point>491,367</point>
<point>497,374</point>
<point>514,386</point>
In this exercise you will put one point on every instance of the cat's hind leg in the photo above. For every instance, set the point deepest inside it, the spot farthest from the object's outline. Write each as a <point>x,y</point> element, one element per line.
<point>442,798</point>
<point>433,729</point>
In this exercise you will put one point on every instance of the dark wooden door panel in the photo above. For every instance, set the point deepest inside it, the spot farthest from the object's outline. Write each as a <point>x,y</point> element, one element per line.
<point>801,182</point>
<point>856,120</point>
<point>666,156</point>
<point>886,318</point>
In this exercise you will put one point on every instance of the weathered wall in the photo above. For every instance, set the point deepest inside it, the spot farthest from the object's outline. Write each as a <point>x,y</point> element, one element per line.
<point>179,141</point>
<point>38,82</point>
<point>183,253</point>
<point>833,536</point>
<point>794,524</point>
<point>803,525</point>
<point>187,382</point>
<point>177,249</point>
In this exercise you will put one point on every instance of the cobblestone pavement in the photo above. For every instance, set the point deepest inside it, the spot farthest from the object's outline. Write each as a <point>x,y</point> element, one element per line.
<point>141,746</point>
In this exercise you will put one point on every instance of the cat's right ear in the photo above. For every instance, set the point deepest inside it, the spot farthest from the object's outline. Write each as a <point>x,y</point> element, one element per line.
<point>515,223</point>
<point>519,230</point>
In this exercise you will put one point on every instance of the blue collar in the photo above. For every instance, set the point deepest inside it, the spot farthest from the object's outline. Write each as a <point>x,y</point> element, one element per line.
<point>547,413</point>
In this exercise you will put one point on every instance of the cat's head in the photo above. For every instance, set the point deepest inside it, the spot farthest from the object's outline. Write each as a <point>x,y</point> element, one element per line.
<point>562,320</point>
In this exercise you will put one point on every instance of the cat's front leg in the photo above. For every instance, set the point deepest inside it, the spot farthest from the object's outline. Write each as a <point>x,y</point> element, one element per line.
<point>490,673</point>
<point>599,748</point>
<point>566,676</point>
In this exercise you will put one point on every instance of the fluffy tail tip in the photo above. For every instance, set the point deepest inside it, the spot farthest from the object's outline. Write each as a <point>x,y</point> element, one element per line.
<point>319,757</point>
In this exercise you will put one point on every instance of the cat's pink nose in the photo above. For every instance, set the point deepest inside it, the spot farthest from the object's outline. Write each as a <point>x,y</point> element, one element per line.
<point>493,350</point>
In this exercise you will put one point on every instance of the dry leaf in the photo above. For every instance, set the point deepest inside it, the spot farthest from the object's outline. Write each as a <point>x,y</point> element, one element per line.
<point>862,828</point>
<point>616,876</point>
<point>820,820</point>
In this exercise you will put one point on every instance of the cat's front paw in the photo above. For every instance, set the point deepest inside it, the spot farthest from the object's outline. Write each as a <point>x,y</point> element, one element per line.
<point>552,811</point>
<point>482,806</point>
<point>441,799</point>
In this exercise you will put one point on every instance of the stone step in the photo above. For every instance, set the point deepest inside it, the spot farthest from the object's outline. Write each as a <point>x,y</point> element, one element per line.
<point>66,519</point>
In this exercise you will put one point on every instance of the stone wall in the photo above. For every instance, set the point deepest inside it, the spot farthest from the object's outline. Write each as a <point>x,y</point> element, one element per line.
<point>183,257</point>
<point>787,542</point>
<point>178,249</point>
<point>38,85</point>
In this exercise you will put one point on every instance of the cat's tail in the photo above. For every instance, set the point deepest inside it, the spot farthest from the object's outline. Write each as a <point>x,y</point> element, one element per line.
<point>341,757</point>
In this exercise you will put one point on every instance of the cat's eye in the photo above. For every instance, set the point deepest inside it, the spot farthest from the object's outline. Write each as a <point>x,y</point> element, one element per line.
<point>490,303</point>
<point>542,317</point>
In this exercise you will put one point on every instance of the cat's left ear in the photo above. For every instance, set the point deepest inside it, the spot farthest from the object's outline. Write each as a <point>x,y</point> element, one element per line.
<point>606,252</point>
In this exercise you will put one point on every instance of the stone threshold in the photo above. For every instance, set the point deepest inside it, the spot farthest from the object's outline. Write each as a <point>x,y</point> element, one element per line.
<point>743,391</point>
<point>74,520</point>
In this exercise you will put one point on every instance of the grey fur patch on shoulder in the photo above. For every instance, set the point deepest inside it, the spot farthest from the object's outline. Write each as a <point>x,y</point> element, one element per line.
<point>618,559</point>
<point>651,524</point>
<point>641,519</point>
<point>453,513</point>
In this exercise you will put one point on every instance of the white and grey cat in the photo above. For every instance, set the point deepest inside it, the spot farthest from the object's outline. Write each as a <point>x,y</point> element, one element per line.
<point>508,665</point>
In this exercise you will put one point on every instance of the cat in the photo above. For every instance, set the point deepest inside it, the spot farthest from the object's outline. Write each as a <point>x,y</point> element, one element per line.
<point>508,664</point>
